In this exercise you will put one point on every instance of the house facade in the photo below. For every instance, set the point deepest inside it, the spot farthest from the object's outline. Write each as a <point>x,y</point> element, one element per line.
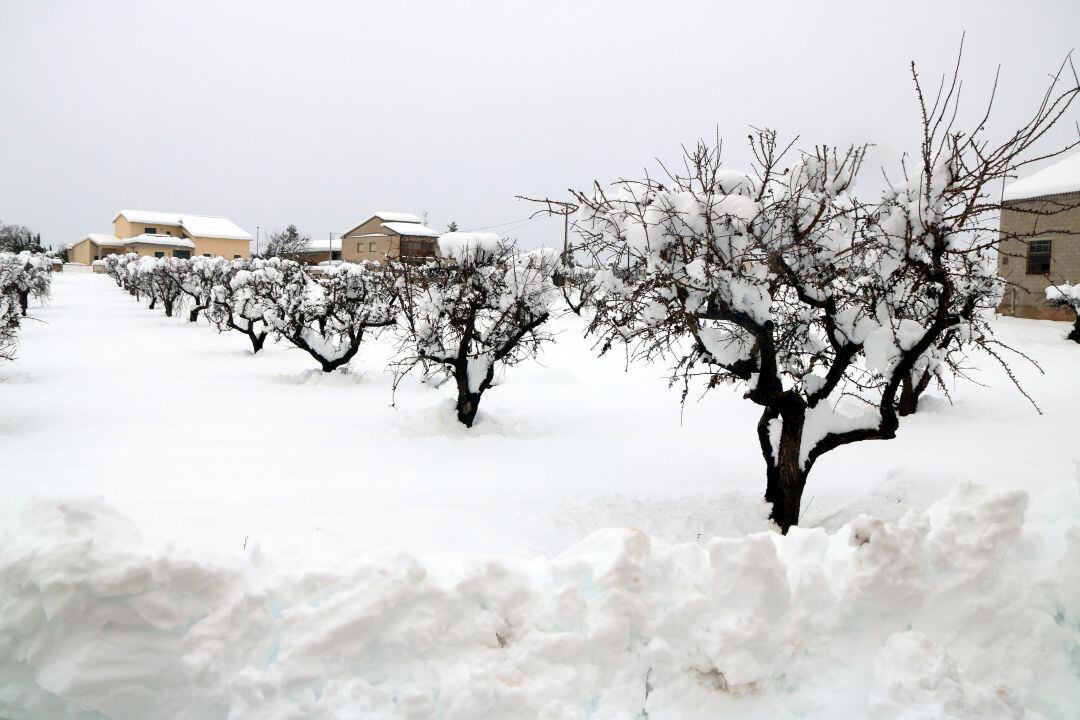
<point>390,235</point>
<point>1040,239</point>
<point>164,234</point>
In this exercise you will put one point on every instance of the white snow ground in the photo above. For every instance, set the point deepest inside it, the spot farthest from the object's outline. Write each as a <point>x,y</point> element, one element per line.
<point>193,532</point>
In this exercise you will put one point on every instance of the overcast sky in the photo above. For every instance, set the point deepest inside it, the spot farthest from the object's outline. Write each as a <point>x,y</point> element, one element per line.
<point>319,113</point>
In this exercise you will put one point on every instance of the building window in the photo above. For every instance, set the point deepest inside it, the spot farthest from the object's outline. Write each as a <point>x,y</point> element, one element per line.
<point>335,254</point>
<point>159,254</point>
<point>1038,259</point>
<point>206,254</point>
<point>150,231</point>
<point>235,257</point>
<point>182,254</point>
<point>371,247</point>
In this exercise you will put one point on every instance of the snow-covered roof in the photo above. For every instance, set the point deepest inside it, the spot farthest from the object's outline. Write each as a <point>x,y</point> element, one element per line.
<point>413,229</point>
<point>1061,177</point>
<point>166,240</point>
<point>101,239</point>
<point>387,216</point>
<point>208,226</point>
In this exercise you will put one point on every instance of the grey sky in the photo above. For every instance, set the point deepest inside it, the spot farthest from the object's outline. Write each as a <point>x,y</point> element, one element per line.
<point>320,113</point>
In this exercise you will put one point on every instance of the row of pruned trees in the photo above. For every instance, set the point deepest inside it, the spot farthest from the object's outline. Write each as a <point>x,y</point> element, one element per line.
<point>461,320</point>
<point>832,310</point>
<point>22,276</point>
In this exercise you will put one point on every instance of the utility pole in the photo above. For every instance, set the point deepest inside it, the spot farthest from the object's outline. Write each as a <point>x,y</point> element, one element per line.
<point>556,207</point>
<point>256,241</point>
<point>331,247</point>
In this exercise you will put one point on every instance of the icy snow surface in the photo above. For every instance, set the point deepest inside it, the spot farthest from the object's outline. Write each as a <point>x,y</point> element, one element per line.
<point>189,531</point>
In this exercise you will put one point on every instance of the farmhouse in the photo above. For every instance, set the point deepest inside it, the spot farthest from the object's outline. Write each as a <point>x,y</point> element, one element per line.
<point>1040,238</point>
<point>164,234</point>
<point>394,235</point>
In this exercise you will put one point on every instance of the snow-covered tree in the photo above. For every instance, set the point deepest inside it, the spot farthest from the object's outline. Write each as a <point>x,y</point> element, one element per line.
<point>286,243</point>
<point>484,308</point>
<point>330,316</point>
<point>240,300</point>
<point>198,278</point>
<point>821,306</point>
<point>19,238</point>
<point>159,278</point>
<point>31,275</point>
<point>10,311</point>
<point>1068,297</point>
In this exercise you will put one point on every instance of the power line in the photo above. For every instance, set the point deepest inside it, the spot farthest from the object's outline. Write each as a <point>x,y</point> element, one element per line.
<point>489,227</point>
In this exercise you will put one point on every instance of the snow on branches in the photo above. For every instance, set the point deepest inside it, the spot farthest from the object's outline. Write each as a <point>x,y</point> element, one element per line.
<point>30,275</point>
<point>482,310</point>
<point>327,317</point>
<point>831,311</point>
<point>1068,297</point>
<point>239,302</point>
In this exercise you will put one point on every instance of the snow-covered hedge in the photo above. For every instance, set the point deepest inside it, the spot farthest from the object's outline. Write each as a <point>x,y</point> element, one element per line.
<point>1066,296</point>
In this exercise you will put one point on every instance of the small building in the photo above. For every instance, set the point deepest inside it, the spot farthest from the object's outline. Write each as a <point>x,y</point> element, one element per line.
<point>319,251</point>
<point>164,234</point>
<point>1040,239</point>
<point>393,235</point>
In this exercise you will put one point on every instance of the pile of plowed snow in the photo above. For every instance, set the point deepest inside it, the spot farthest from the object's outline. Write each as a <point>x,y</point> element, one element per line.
<point>964,610</point>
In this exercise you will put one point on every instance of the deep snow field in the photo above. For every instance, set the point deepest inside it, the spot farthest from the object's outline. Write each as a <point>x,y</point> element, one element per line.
<point>190,531</point>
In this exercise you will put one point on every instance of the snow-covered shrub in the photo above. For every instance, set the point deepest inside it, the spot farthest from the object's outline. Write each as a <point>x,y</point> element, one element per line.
<point>240,300</point>
<point>1066,296</point>
<point>10,310</point>
<point>783,282</point>
<point>485,307</point>
<point>30,275</point>
<point>327,317</point>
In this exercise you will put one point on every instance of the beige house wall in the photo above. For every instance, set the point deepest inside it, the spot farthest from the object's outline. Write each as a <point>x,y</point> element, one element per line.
<point>220,246</point>
<point>82,252</point>
<point>1025,295</point>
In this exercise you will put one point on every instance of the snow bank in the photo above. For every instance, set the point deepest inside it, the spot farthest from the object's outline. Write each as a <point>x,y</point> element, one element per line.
<point>961,611</point>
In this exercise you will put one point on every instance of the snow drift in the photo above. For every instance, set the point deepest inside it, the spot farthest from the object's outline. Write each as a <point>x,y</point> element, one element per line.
<point>964,610</point>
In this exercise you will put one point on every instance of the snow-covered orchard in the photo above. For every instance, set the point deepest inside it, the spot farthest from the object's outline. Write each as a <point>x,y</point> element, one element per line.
<point>499,486</point>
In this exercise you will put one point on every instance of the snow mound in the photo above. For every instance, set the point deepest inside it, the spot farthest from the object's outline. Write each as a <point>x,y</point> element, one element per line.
<point>959,611</point>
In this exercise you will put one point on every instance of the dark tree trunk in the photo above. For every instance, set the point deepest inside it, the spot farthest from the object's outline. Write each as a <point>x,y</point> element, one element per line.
<point>1075,334</point>
<point>910,393</point>
<point>329,366</point>
<point>468,400</point>
<point>785,475</point>
<point>153,302</point>
<point>257,340</point>
<point>24,301</point>
<point>467,405</point>
<point>168,307</point>
<point>193,316</point>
